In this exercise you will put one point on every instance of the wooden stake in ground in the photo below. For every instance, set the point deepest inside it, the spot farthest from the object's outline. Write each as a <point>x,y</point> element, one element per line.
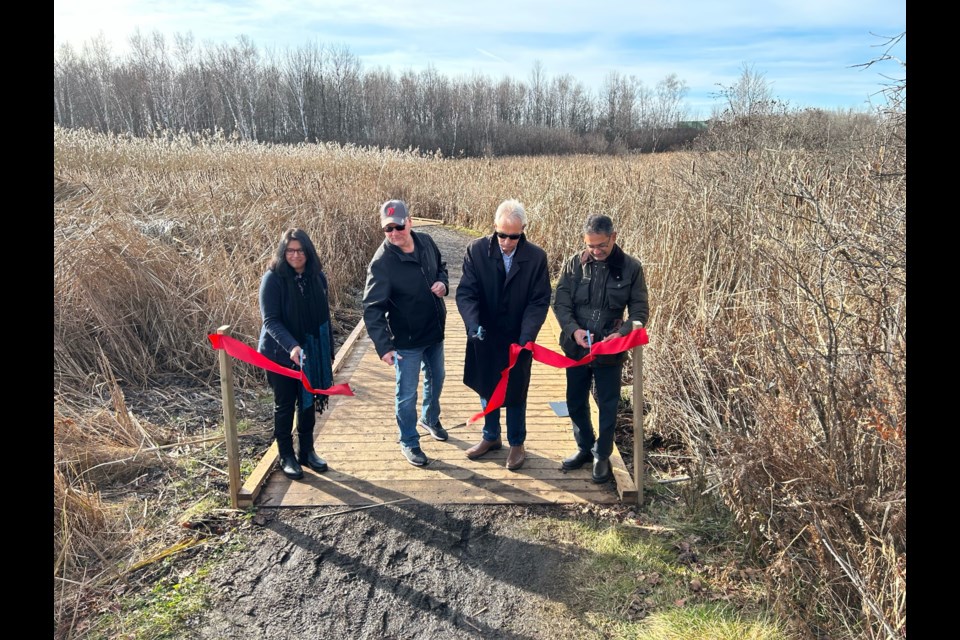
<point>229,420</point>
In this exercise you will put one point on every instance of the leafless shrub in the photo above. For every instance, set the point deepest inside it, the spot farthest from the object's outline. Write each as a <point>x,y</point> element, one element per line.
<point>786,364</point>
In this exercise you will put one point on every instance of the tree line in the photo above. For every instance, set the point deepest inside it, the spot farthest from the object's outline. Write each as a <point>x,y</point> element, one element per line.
<point>320,93</point>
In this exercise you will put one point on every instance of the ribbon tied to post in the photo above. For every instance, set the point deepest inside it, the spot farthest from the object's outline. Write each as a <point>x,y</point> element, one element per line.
<point>243,352</point>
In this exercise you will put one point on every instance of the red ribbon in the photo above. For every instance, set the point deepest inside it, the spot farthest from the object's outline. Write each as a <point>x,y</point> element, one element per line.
<point>241,351</point>
<point>619,344</point>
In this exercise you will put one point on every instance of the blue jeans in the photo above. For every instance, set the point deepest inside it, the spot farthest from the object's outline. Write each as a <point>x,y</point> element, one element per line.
<point>516,424</point>
<point>412,361</point>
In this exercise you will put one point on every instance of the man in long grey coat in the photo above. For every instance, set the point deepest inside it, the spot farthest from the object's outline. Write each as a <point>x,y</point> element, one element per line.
<point>503,298</point>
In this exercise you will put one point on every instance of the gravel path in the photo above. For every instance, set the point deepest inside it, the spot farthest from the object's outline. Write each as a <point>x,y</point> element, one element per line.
<point>452,244</point>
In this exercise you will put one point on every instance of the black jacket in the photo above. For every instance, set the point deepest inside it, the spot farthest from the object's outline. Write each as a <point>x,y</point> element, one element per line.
<point>399,309</point>
<point>276,308</point>
<point>593,296</point>
<point>510,307</point>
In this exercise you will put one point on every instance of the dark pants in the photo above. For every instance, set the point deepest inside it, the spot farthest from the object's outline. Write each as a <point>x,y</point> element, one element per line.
<point>606,380</point>
<point>516,424</point>
<point>286,400</point>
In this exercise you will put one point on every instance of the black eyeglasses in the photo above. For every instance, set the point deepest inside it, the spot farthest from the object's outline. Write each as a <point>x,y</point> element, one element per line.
<point>293,252</point>
<point>512,236</point>
<point>399,227</point>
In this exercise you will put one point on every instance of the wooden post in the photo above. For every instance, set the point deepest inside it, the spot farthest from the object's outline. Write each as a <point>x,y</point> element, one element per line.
<point>638,417</point>
<point>229,420</point>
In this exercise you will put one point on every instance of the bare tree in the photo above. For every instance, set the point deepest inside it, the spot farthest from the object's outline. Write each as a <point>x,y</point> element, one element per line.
<point>300,77</point>
<point>68,71</point>
<point>668,109</point>
<point>96,81</point>
<point>152,68</point>
<point>345,83</point>
<point>235,70</point>
<point>621,95</point>
<point>749,105</point>
<point>536,96</point>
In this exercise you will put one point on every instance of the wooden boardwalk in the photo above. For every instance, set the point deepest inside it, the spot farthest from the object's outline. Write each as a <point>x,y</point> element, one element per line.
<point>358,438</point>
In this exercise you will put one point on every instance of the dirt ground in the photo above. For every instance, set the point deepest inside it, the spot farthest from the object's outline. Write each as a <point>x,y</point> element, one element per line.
<point>396,571</point>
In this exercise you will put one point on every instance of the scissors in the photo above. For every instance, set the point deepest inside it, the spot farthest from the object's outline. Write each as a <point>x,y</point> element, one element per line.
<point>589,342</point>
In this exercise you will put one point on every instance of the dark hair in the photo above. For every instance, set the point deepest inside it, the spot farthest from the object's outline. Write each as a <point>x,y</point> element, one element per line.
<point>279,263</point>
<point>599,224</point>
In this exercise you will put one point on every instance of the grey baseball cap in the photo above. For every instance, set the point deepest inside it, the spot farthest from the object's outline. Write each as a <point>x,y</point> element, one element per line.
<point>394,211</point>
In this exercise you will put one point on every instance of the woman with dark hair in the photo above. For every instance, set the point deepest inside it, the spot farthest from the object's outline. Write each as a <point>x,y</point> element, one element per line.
<point>296,330</point>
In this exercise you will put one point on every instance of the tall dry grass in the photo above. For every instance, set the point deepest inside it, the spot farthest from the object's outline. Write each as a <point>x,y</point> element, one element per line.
<point>777,294</point>
<point>781,360</point>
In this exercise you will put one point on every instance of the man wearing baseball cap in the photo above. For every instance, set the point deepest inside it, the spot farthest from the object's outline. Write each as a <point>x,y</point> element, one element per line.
<point>405,316</point>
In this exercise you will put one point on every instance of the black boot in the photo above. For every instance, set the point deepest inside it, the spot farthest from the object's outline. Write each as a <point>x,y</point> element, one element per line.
<point>577,460</point>
<point>288,460</point>
<point>601,470</point>
<point>308,456</point>
<point>312,460</point>
<point>290,467</point>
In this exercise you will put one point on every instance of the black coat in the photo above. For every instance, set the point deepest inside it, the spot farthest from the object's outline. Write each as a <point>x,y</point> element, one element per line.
<point>278,307</point>
<point>594,296</point>
<point>510,308</point>
<point>399,309</point>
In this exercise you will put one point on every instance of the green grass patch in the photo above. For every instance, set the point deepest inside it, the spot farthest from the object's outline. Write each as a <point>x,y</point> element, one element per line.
<point>473,233</point>
<point>163,612</point>
<point>709,621</point>
<point>632,582</point>
<point>247,465</point>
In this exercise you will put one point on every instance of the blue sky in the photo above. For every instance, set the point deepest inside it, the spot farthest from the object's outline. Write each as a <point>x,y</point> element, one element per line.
<point>805,49</point>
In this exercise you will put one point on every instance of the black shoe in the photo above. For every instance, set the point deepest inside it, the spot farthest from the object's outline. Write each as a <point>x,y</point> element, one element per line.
<point>601,470</point>
<point>313,461</point>
<point>437,431</point>
<point>414,455</point>
<point>577,460</point>
<point>291,468</point>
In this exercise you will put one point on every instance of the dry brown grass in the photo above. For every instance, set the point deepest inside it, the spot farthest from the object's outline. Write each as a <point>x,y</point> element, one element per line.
<point>782,361</point>
<point>777,311</point>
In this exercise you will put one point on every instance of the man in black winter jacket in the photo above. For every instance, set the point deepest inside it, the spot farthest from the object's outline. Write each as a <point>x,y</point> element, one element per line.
<point>595,287</point>
<point>405,316</point>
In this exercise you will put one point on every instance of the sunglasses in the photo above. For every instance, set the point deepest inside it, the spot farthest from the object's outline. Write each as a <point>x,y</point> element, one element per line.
<point>399,227</point>
<point>512,236</point>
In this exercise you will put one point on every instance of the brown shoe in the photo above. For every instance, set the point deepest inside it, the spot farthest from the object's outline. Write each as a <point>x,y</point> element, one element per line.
<point>482,447</point>
<point>516,457</point>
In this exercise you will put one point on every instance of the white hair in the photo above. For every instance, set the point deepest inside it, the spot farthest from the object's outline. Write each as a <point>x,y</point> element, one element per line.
<point>511,209</point>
